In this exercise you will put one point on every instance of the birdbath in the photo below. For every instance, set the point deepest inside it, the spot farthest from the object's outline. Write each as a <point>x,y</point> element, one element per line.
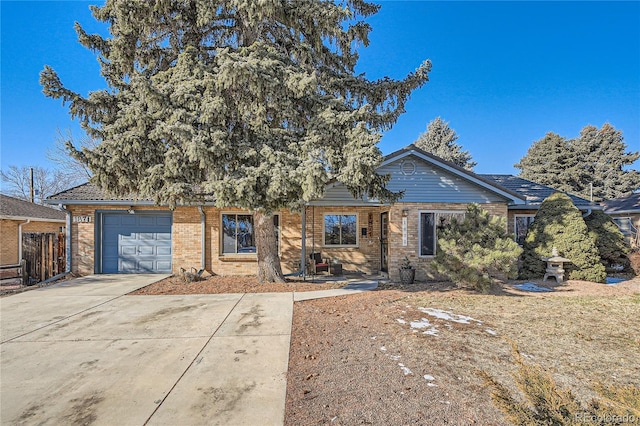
<point>554,266</point>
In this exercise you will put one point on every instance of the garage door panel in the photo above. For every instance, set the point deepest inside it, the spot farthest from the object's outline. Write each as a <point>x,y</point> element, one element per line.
<point>129,219</point>
<point>163,251</point>
<point>136,243</point>
<point>163,220</point>
<point>128,250</point>
<point>163,265</point>
<point>145,251</point>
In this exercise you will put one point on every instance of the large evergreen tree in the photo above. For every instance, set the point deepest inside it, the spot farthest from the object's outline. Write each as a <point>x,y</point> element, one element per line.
<point>255,103</point>
<point>596,160</point>
<point>440,140</point>
<point>603,160</point>
<point>550,161</point>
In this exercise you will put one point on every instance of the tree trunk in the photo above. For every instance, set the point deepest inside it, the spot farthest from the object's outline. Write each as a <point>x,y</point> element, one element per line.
<point>269,270</point>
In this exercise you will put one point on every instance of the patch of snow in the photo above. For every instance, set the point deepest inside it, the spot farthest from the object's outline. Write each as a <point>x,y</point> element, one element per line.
<point>374,337</point>
<point>395,357</point>
<point>491,332</point>
<point>429,377</point>
<point>401,321</point>
<point>423,323</point>
<point>405,370</point>
<point>613,280</point>
<point>432,384</point>
<point>432,331</point>
<point>448,315</point>
<point>383,348</point>
<point>531,287</point>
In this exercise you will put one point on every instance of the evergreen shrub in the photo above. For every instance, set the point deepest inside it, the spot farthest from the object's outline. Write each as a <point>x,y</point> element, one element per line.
<point>477,250</point>
<point>559,223</point>
<point>612,247</point>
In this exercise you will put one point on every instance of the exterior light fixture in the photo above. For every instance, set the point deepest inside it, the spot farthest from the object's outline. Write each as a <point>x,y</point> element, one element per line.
<point>405,212</point>
<point>130,210</point>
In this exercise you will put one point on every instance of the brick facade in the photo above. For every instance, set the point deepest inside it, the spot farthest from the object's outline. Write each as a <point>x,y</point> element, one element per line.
<point>398,251</point>
<point>9,240</point>
<point>364,257</point>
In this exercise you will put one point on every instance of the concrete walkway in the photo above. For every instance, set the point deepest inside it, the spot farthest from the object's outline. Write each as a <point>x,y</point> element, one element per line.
<point>82,352</point>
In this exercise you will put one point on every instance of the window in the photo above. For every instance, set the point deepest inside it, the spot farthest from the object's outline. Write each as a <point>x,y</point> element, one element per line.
<point>521,226</point>
<point>238,235</point>
<point>340,230</point>
<point>625,225</point>
<point>430,222</point>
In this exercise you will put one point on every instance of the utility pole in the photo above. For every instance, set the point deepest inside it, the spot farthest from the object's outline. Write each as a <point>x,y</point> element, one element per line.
<point>32,193</point>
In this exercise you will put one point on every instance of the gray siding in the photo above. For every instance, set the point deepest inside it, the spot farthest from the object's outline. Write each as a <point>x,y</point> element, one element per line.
<point>431,184</point>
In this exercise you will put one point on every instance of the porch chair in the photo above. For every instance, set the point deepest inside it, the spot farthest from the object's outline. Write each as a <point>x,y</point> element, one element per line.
<point>316,263</point>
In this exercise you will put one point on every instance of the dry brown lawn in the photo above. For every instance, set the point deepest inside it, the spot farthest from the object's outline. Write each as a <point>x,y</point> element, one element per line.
<point>358,360</point>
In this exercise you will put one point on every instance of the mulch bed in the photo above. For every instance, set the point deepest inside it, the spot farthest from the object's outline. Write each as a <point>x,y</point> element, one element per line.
<point>233,284</point>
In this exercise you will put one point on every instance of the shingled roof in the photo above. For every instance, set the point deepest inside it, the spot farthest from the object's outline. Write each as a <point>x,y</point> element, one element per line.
<point>630,204</point>
<point>87,193</point>
<point>16,209</point>
<point>534,192</point>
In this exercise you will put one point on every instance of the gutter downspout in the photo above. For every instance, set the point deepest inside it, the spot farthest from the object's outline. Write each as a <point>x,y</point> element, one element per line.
<point>587,213</point>
<point>20,239</point>
<point>68,237</point>
<point>203,246</point>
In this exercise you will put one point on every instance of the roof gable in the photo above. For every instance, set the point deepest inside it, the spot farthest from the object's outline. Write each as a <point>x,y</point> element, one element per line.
<point>428,178</point>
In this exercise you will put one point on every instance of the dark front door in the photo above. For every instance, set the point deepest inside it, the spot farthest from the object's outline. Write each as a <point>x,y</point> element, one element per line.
<point>384,242</point>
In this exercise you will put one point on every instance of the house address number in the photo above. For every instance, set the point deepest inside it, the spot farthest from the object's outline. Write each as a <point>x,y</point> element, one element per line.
<point>81,219</point>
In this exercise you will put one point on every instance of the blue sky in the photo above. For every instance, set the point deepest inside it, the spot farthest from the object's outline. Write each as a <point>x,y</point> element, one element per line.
<point>504,73</point>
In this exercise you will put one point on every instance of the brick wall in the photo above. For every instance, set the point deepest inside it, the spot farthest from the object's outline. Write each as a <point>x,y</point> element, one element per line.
<point>366,256</point>
<point>8,242</point>
<point>397,251</point>
<point>186,239</point>
<point>9,236</point>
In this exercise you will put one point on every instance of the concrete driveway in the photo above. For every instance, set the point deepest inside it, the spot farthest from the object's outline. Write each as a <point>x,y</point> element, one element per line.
<point>82,352</point>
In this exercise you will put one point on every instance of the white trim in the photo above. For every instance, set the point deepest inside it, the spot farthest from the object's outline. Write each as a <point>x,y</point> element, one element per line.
<point>435,226</point>
<point>356,245</point>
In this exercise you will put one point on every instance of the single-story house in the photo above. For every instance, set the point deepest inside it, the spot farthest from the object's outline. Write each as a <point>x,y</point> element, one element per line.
<point>112,235</point>
<point>625,212</point>
<point>18,217</point>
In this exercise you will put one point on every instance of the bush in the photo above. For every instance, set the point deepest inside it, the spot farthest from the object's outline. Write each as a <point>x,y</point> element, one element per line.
<point>559,223</point>
<point>476,250</point>
<point>612,247</point>
<point>544,403</point>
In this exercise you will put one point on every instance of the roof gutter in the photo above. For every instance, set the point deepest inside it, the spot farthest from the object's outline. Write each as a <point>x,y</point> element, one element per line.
<point>31,219</point>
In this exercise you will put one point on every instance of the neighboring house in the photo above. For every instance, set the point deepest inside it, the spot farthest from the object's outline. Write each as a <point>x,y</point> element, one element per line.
<point>625,212</point>
<point>521,216</point>
<point>111,235</point>
<point>18,217</point>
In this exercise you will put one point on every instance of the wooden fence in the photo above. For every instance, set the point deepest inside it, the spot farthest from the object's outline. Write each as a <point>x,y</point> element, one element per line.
<point>45,255</point>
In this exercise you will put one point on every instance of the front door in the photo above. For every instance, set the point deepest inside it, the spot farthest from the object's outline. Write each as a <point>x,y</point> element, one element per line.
<point>384,242</point>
